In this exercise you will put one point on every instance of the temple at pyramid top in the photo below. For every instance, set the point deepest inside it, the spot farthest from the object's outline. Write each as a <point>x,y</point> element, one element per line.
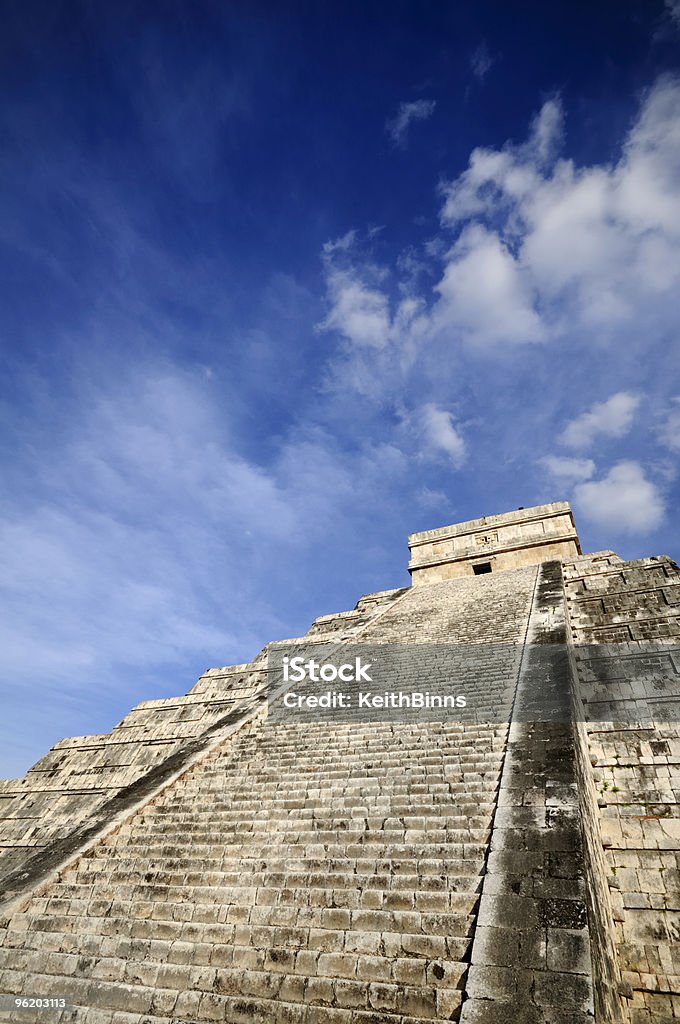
<point>527,536</point>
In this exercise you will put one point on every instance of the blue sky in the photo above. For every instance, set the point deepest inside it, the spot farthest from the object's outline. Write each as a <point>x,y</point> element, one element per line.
<point>283,286</point>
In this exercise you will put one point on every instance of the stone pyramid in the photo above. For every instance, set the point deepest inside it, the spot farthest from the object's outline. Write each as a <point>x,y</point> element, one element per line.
<point>213,858</point>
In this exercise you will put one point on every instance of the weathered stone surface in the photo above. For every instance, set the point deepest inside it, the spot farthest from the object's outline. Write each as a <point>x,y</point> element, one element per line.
<point>208,861</point>
<point>625,624</point>
<point>528,536</point>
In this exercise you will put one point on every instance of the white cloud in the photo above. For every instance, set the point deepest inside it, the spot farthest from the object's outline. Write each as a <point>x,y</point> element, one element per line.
<point>481,61</point>
<point>485,297</point>
<point>495,179</point>
<point>623,500</point>
<point>670,431</point>
<point>546,133</point>
<point>673,8</point>
<point>612,418</point>
<point>441,435</point>
<point>137,543</point>
<point>546,251</point>
<point>432,499</point>
<point>143,485</point>
<point>568,470</point>
<point>339,245</point>
<point>142,538</point>
<point>358,312</point>
<point>397,127</point>
<point>599,245</point>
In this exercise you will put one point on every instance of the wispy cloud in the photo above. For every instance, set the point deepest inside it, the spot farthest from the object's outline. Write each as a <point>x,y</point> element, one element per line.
<point>673,8</point>
<point>137,457</point>
<point>397,127</point>
<point>669,434</point>
<point>569,470</point>
<point>435,500</point>
<point>481,61</point>
<point>186,467</point>
<point>357,311</point>
<point>622,501</point>
<point>441,435</point>
<point>140,542</point>
<point>612,418</point>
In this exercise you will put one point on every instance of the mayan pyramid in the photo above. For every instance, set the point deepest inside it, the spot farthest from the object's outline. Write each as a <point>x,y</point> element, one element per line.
<point>219,857</point>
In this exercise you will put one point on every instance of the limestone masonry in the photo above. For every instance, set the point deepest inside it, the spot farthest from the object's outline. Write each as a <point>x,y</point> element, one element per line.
<point>216,857</point>
<point>525,537</point>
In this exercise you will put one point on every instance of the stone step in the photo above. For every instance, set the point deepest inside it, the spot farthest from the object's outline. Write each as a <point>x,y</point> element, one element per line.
<point>378,762</point>
<point>336,761</point>
<point>261,927</point>
<point>323,746</point>
<point>290,797</point>
<point>421,754</point>
<point>69,915</point>
<point>313,830</point>
<point>414,755</point>
<point>348,836</point>
<point>179,965</point>
<point>400,794</point>
<point>447,796</point>
<point>433,737</point>
<point>387,787</point>
<point>293,727</point>
<point>314,740</point>
<point>352,851</point>
<point>260,998</point>
<point>339,884</point>
<point>243,895</point>
<point>245,781</point>
<point>302,809</point>
<point>284,873</point>
<point>399,782</point>
<point>453,813</point>
<point>398,860</point>
<point>449,789</point>
<point>311,743</point>
<point>147,937</point>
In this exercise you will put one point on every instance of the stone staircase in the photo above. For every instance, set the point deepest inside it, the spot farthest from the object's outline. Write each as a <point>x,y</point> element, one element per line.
<point>300,871</point>
<point>219,857</point>
<point>298,875</point>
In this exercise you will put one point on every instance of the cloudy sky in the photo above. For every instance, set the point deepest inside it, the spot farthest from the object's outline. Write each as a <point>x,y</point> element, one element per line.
<point>283,285</point>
